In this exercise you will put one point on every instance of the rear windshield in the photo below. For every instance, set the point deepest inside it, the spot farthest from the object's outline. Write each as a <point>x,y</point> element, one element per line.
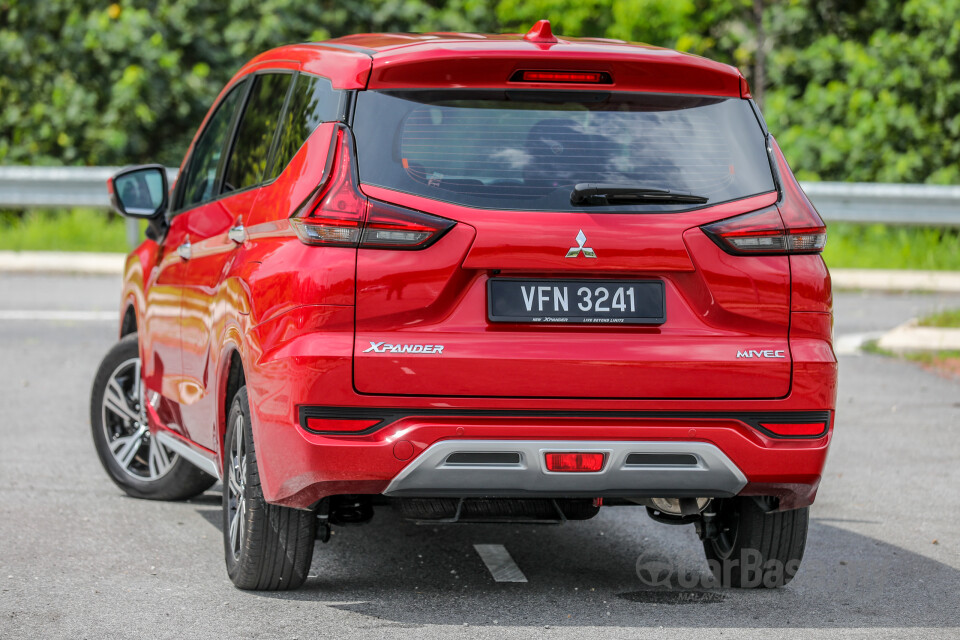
<point>526,150</point>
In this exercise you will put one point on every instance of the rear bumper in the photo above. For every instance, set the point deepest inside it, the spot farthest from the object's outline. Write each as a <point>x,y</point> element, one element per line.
<point>407,455</point>
<point>516,469</point>
<point>309,362</point>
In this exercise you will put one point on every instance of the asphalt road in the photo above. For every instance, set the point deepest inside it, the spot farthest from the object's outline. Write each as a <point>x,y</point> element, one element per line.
<point>79,559</point>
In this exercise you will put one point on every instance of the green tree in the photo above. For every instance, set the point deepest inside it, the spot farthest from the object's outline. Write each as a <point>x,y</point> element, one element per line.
<point>87,82</point>
<point>871,93</point>
<point>853,89</point>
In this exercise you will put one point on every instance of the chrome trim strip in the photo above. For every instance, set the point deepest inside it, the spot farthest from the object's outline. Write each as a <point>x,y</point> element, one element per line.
<point>189,454</point>
<point>429,475</point>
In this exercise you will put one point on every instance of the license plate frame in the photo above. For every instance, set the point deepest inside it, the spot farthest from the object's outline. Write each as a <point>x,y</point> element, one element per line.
<point>507,300</point>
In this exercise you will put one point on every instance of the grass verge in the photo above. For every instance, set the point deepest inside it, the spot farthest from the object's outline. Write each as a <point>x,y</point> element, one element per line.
<point>878,246</point>
<point>949,319</point>
<point>945,363</point>
<point>68,230</point>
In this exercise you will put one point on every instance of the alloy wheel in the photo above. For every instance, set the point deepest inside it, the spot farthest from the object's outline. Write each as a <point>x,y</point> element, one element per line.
<point>728,525</point>
<point>236,487</point>
<point>125,425</point>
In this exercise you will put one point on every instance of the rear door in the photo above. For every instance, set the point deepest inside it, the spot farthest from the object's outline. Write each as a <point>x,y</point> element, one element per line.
<point>619,295</point>
<point>163,361</point>
<point>213,250</point>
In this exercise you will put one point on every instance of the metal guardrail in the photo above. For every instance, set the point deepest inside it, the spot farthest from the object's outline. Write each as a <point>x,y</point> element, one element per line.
<point>898,204</point>
<point>53,187</point>
<point>24,187</point>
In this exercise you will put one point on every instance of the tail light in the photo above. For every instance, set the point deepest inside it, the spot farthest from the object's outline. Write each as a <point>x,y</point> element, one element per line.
<point>763,232</point>
<point>791,227</point>
<point>392,227</point>
<point>337,214</point>
<point>574,462</point>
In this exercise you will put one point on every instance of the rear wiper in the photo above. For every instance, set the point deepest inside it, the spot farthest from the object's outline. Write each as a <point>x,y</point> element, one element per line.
<point>591,193</point>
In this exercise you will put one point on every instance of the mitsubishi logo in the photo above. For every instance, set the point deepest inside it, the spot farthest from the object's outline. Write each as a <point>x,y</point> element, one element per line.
<point>575,251</point>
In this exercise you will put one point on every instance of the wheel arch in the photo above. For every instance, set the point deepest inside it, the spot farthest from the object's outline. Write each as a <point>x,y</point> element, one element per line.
<point>233,379</point>
<point>128,324</point>
<point>134,286</point>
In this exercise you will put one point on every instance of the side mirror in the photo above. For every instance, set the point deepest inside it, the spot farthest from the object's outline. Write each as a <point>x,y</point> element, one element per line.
<point>139,192</point>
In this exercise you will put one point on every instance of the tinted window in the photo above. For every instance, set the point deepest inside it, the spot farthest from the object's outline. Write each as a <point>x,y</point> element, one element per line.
<point>200,181</point>
<point>255,133</point>
<point>527,150</point>
<point>313,101</point>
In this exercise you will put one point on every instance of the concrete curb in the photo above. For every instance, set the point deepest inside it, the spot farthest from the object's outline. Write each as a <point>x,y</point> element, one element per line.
<point>112,264</point>
<point>896,280</point>
<point>62,262</point>
<point>910,337</point>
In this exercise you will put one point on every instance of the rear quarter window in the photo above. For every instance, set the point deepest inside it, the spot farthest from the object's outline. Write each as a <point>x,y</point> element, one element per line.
<point>257,128</point>
<point>313,101</point>
<point>523,150</point>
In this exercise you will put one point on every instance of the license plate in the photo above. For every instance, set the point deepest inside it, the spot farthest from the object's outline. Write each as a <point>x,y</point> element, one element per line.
<point>576,301</point>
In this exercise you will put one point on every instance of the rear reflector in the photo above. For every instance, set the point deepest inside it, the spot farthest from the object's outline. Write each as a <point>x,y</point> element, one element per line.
<point>574,462</point>
<point>571,77</point>
<point>340,425</point>
<point>795,429</point>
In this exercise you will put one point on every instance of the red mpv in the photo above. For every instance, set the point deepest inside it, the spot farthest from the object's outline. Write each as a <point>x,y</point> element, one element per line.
<point>480,278</point>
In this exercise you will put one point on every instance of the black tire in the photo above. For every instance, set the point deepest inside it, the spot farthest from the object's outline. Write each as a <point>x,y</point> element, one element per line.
<point>272,546</point>
<point>756,549</point>
<point>151,471</point>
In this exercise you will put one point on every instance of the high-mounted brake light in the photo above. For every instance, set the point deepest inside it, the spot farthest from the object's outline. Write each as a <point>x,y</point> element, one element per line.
<point>337,214</point>
<point>571,77</point>
<point>574,462</point>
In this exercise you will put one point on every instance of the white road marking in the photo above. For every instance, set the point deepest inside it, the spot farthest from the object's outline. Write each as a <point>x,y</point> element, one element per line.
<point>499,563</point>
<point>69,316</point>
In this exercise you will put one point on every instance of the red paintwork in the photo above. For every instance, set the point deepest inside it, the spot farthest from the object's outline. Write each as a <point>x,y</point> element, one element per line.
<point>541,32</point>
<point>443,294</point>
<point>324,465</point>
<point>299,316</point>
